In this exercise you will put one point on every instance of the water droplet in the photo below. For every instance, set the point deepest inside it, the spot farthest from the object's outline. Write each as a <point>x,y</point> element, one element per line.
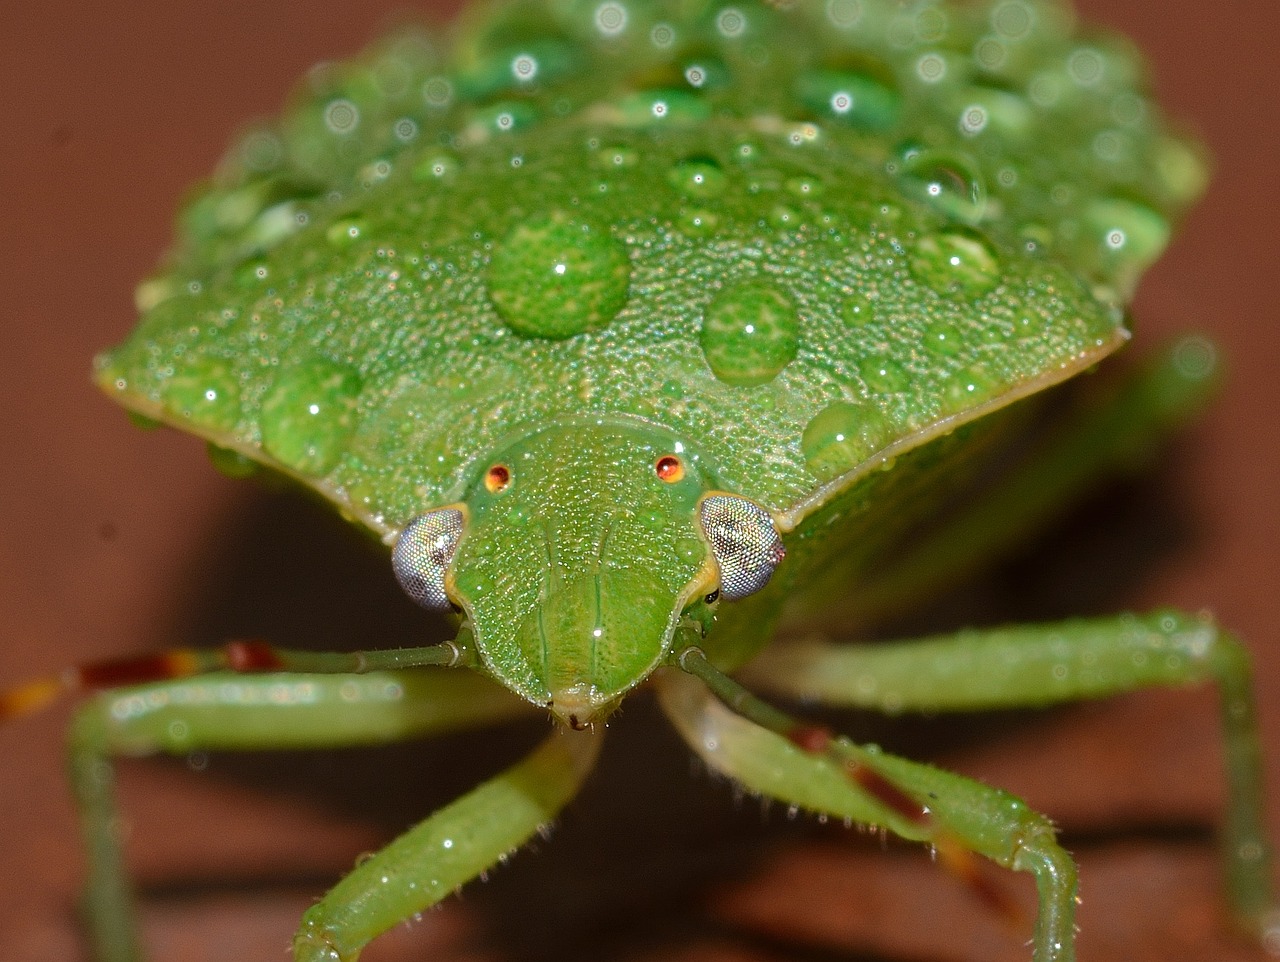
<point>663,35</point>
<point>1001,113</point>
<point>506,117</point>
<point>252,274</point>
<point>850,97</point>
<point>698,221</point>
<point>843,435</point>
<point>784,217</point>
<point>611,18</point>
<point>949,182</point>
<point>1196,358</point>
<point>617,158</point>
<point>698,177</point>
<point>231,464</point>
<point>967,388</point>
<point>731,22</point>
<point>931,67</point>
<point>341,116</point>
<point>556,277</point>
<point>309,413</point>
<point>260,150</point>
<point>857,310</point>
<point>990,53</point>
<point>405,130</point>
<point>804,187</point>
<point>154,291</point>
<point>973,120</point>
<point>956,262</point>
<point>690,550</point>
<point>344,231</point>
<point>1182,168</point>
<point>437,92</point>
<point>205,390</point>
<point>844,14</point>
<point>649,107</point>
<point>882,375</point>
<point>435,167</point>
<point>750,332</point>
<point>1132,235</point>
<point>943,339</point>
<point>1086,65</point>
<point>1012,19</point>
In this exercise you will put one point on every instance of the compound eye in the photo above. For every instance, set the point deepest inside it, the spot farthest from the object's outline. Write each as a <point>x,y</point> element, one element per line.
<point>423,553</point>
<point>744,541</point>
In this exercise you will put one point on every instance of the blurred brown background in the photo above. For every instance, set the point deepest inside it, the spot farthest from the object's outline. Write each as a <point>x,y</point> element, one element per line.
<point>116,540</point>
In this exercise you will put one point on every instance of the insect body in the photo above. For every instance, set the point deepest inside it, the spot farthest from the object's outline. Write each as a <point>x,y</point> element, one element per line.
<point>640,332</point>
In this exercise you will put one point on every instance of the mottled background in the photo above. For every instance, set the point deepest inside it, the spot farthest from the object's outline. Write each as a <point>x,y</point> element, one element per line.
<point>116,540</point>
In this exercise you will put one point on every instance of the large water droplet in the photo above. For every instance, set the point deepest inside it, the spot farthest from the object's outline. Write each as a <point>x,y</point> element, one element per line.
<point>967,388</point>
<point>843,435</point>
<point>949,182</point>
<point>309,413</point>
<point>435,167</point>
<point>943,339</point>
<point>205,390</point>
<point>251,274</point>
<point>850,97</point>
<point>750,332</point>
<point>345,231</point>
<point>1182,168</point>
<point>698,221</point>
<point>1131,235</point>
<point>556,277</point>
<point>857,310</point>
<point>231,463</point>
<point>614,157</point>
<point>883,376</point>
<point>697,177</point>
<point>956,262</point>
<point>1013,19</point>
<point>661,107</point>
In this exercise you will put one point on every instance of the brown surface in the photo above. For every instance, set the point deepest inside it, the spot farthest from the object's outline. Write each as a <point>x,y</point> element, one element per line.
<point>117,540</point>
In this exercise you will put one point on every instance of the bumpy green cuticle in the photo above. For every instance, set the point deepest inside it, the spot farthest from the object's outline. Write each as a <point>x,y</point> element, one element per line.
<point>635,251</point>
<point>411,212</point>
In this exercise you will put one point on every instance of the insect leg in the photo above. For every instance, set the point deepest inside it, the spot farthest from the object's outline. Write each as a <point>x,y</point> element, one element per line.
<point>769,752</point>
<point>1047,664</point>
<point>245,713</point>
<point>245,657</point>
<point>451,847</point>
<point>1111,430</point>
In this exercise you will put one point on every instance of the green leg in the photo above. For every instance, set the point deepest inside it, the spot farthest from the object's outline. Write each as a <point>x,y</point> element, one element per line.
<point>1047,664</point>
<point>454,845</point>
<point>770,753</point>
<point>1112,429</point>
<point>233,712</point>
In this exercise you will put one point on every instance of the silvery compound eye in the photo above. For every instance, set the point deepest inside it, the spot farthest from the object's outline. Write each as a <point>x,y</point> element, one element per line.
<point>746,544</point>
<point>423,553</point>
